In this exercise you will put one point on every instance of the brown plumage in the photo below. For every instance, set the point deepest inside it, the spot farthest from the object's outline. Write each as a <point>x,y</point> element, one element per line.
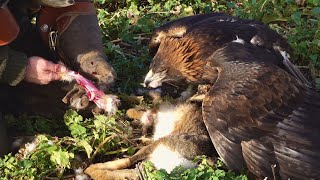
<point>258,115</point>
<point>259,33</point>
<point>211,31</point>
<point>258,110</point>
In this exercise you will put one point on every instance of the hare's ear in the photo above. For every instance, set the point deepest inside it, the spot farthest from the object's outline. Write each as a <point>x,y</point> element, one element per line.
<point>56,3</point>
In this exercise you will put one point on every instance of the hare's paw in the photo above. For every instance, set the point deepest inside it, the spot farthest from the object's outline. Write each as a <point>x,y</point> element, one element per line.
<point>129,174</point>
<point>101,171</point>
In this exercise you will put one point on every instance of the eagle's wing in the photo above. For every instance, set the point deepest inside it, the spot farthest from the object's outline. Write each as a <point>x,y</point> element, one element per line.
<point>260,34</point>
<point>212,34</point>
<point>258,116</point>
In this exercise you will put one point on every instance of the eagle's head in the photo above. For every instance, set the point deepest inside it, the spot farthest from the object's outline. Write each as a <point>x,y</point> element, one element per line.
<point>177,62</point>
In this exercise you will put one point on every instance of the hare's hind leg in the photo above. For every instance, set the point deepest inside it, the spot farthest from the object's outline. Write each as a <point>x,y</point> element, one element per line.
<point>124,162</point>
<point>104,174</point>
<point>166,153</point>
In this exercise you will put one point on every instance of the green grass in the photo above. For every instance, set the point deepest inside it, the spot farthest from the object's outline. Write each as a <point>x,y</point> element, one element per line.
<point>203,171</point>
<point>127,26</point>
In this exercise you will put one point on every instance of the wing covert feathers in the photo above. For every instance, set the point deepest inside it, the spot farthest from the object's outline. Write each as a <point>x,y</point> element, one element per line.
<point>259,116</point>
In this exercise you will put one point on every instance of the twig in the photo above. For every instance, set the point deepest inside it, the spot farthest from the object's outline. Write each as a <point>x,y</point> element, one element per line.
<point>159,12</point>
<point>115,14</point>
<point>162,12</point>
<point>143,34</point>
<point>129,140</point>
<point>263,5</point>
<point>141,38</point>
<point>143,139</point>
<point>101,144</point>
<point>125,44</point>
<point>121,131</point>
<point>116,40</point>
<point>117,151</point>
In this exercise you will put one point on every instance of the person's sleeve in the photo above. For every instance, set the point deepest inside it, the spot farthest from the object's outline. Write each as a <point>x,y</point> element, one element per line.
<point>12,66</point>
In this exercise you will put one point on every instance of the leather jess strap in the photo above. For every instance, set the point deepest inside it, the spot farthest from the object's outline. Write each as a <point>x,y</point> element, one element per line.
<point>58,19</point>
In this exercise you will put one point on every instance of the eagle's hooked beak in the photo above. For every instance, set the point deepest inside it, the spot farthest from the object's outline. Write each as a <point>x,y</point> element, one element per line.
<point>154,80</point>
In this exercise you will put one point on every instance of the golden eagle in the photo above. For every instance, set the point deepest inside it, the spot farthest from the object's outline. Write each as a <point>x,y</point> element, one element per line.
<point>259,112</point>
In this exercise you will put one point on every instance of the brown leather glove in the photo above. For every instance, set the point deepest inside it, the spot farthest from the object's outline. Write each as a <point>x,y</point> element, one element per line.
<point>95,67</point>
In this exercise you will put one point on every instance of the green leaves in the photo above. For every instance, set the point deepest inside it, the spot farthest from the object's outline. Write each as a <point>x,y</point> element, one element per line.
<point>316,11</point>
<point>296,17</point>
<point>314,2</point>
<point>86,146</point>
<point>52,155</point>
<point>202,171</point>
<point>61,158</point>
<point>76,124</point>
<point>88,134</point>
<point>45,157</point>
<point>72,117</point>
<point>77,131</point>
<point>10,168</point>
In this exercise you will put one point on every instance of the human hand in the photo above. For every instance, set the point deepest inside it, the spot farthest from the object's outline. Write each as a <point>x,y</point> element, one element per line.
<point>42,71</point>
